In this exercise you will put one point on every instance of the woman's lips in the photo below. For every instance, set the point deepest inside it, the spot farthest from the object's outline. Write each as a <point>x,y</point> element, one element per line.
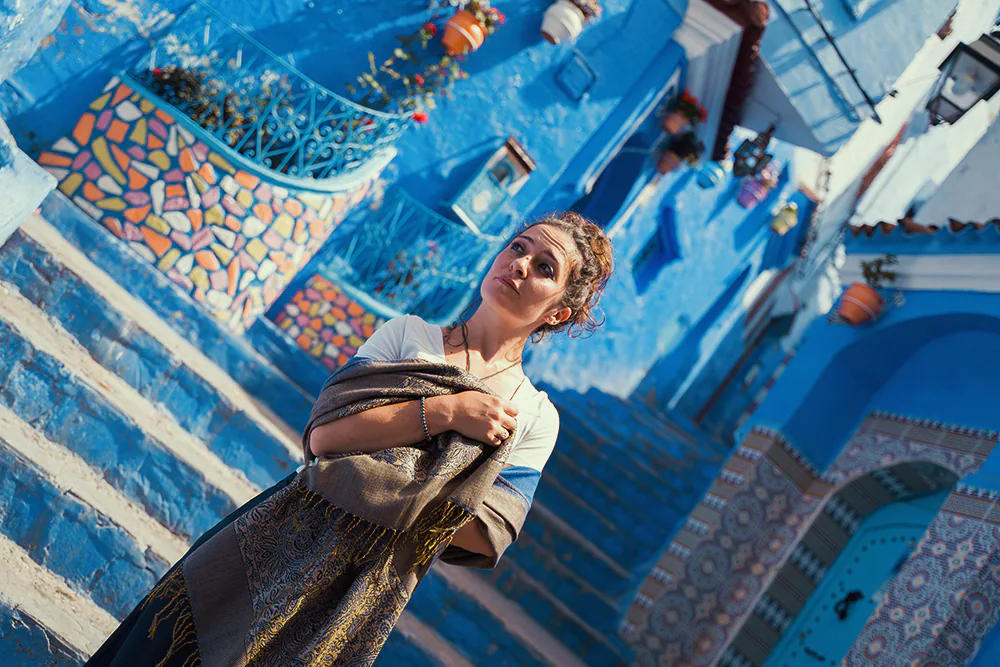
<point>508,282</point>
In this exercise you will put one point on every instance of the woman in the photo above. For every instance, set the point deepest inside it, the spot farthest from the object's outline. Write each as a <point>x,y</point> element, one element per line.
<point>428,444</point>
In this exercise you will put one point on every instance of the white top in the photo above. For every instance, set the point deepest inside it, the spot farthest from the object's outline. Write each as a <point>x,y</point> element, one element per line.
<point>410,337</point>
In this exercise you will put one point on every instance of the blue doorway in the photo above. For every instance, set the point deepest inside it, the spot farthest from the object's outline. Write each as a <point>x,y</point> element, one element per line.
<point>836,612</point>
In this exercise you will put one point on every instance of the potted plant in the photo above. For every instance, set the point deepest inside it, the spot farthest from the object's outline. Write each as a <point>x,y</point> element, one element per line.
<point>862,302</point>
<point>686,112</point>
<point>711,174</point>
<point>755,190</point>
<point>685,148</point>
<point>470,26</point>
<point>564,20</point>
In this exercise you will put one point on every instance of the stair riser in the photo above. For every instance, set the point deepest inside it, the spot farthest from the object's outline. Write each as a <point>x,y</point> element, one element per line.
<point>140,360</point>
<point>617,461</point>
<point>564,627</point>
<point>472,630</point>
<point>24,642</point>
<point>42,393</point>
<point>399,650</point>
<point>96,557</point>
<point>631,502</point>
<point>621,546</point>
<point>283,397</point>
<point>562,583</point>
<point>625,448</point>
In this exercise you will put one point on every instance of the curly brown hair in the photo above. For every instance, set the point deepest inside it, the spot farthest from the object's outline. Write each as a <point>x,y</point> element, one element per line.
<point>588,276</point>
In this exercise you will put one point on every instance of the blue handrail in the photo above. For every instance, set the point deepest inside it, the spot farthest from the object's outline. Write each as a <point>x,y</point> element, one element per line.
<point>408,257</point>
<point>215,73</point>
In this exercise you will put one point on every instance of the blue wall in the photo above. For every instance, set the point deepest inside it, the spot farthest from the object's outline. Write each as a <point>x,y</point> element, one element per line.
<point>879,46</point>
<point>511,90</point>
<point>936,357</point>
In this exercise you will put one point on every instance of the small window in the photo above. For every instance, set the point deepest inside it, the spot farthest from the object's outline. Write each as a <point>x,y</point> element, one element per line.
<point>659,250</point>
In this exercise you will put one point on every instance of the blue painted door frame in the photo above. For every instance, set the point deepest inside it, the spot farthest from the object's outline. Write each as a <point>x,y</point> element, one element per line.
<point>867,564</point>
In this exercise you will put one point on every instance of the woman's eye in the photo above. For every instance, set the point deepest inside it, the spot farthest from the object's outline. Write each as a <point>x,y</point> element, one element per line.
<point>516,246</point>
<point>547,271</point>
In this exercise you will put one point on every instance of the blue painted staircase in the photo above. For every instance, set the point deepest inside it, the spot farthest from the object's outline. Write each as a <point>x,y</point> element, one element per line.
<point>128,426</point>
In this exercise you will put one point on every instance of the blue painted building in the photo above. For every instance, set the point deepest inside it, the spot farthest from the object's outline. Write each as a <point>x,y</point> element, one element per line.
<point>202,278</point>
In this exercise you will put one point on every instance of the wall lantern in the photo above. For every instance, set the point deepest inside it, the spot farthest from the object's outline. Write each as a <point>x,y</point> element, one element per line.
<point>971,73</point>
<point>752,156</point>
<point>786,220</point>
<point>500,178</point>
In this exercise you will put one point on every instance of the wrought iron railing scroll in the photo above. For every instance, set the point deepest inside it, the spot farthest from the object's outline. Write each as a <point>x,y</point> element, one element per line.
<point>220,77</point>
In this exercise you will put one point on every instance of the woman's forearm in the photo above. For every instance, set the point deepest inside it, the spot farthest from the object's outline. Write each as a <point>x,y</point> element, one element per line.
<point>472,537</point>
<point>381,428</point>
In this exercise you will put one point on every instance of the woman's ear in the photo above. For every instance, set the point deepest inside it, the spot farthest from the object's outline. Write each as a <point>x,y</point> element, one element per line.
<point>557,317</point>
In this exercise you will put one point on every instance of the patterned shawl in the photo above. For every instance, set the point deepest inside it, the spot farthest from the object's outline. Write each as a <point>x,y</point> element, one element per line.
<point>319,571</point>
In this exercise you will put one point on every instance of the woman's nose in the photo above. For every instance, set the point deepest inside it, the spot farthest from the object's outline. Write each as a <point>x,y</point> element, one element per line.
<point>520,266</point>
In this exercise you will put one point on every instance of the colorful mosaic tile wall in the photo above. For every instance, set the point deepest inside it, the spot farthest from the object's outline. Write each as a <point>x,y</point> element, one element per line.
<point>224,234</point>
<point>724,559</point>
<point>326,323</point>
<point>947,596</point>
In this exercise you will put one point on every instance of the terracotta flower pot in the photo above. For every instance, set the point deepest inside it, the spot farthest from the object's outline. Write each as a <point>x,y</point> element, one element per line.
<point>860,303</point>
<point>563,22</point>
<point>462,34</point>
<point>751,194</point>
<point>675,122</point>
<point>668,162</point>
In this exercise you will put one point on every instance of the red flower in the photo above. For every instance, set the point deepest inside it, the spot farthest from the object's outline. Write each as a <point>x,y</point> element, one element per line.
<point>158,71</point>
<point>421,117</point>
<point>419,79</point>
<point>431,28</point>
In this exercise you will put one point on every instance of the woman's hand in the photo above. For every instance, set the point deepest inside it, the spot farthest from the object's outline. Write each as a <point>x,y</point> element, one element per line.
<point>481,417</point>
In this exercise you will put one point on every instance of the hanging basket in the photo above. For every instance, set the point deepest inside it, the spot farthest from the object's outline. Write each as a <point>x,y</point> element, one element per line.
<point>667,162</point>
<point>752,193</point>
<point>675,122</point>
<point>563,22</point>
<point>462,34</point>
<point>860,304</point>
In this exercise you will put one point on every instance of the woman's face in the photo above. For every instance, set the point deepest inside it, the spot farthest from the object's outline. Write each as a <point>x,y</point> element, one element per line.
<point>528,277</point>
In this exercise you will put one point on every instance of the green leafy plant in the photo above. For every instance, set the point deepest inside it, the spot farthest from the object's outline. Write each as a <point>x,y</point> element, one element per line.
<point>411,78</point>
<point>489,17</point>
<point>875,273</point>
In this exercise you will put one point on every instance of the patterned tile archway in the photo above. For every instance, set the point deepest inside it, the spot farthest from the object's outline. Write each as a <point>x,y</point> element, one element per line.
<point>710,579</point>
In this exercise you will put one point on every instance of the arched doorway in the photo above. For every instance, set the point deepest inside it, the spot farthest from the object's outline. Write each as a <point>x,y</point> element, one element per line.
<point>833,580</point>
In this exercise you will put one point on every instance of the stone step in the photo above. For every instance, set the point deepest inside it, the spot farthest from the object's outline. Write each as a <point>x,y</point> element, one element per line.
<point>589,644</point>
<point>129,340</point>
<point>53,385</point>
<point>553,538</point>
<point>619,540</point>
<point>70,521</point>
<point>618,500</point>
<point>165,308</point>
<point>42,619</point>
<point>486,627</point>
<point>415,644</point>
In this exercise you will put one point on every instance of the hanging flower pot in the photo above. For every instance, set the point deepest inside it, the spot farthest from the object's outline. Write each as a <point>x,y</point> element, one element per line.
<point>752,193</point>
<point>675,122</point>
<point>463,33</point>
<point>668,161</point>
<point>565,19</point>
<point>860,304</point>
<point>562,22</point>
<point>710,175</point>
<point>786,220</point>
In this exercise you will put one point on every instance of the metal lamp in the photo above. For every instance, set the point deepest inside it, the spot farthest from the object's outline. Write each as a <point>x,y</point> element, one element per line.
<point>970,73</point>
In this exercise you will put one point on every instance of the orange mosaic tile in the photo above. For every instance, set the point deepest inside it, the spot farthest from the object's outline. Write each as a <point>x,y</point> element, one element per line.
<point>136,181</point>
<point>121,158</point>
<point>53,160</point>
<point>176,190</point>
<point>197,217</point>
<point>248,181</point>
<point>207,260</point>
<point>159,243</point>
<point>92,193</point>
<point>117,131</point>
<point>121,93</point>
<point>137,215</point>
<point>84,128</point>
<point>187,160</point>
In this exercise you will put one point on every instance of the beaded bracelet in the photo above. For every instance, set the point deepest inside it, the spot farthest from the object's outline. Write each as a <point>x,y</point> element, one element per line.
<point>423,417</point>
